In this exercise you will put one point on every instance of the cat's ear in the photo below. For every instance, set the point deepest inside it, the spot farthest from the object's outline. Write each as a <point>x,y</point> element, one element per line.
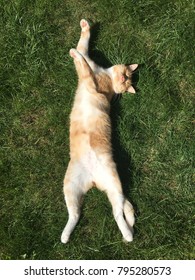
<point>133,67</point>
<point>131,89</point>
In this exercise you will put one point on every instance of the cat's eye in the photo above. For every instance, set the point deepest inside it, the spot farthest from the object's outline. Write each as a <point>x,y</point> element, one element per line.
<point>126,77</point>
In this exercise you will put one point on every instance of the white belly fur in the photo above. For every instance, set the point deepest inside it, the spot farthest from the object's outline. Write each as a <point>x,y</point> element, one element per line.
<point>90,162</point>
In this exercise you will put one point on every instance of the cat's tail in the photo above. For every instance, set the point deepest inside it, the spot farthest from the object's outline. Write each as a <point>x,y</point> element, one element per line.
<point>129,214</point>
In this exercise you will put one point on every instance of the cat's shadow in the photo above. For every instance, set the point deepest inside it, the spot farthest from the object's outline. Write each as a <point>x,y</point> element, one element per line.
<point>121,156</point>
<point>97,56</point>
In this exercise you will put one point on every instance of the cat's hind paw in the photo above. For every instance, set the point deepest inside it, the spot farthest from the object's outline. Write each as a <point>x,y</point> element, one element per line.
<point>64,238</point>
<point>84,25</point>
<point>128,238</point>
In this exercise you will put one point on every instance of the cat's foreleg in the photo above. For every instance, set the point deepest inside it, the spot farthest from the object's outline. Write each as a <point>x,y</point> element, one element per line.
<point>83,44</point>
<point>84,70</point>
<point>82,67</point>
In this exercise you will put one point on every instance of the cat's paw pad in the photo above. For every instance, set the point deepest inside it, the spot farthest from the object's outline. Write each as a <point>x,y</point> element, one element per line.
<point>84,25</point>
<point>74,54</point>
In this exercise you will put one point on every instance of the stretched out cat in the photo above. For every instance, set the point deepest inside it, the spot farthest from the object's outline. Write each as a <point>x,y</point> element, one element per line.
<point>91,162</point>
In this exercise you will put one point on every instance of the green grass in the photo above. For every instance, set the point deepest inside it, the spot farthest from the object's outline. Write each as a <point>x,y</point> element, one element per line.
<point>153,133</point>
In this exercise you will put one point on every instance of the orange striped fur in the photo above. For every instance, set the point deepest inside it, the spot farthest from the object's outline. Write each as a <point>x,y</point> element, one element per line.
<point>91,161</point>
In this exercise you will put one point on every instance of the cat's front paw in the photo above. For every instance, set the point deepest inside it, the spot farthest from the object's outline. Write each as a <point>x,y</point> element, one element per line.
<point>84,25</point>
<point>75,54</point>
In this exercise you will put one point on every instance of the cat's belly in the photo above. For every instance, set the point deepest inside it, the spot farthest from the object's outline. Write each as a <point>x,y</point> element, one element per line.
<point>90,161</point>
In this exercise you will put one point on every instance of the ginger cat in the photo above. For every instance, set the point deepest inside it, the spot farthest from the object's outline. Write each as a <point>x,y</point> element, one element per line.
<point>91,162</point>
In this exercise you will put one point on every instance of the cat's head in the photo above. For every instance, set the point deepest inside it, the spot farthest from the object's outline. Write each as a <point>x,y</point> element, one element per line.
<point>121,78</point>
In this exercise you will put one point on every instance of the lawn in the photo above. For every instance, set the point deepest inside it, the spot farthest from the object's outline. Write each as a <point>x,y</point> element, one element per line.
<point>153,131</point>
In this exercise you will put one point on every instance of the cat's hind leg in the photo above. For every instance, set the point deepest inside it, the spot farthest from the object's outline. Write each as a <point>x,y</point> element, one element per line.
<point>129,214</point>
<point>76,184</point>
<point>116,199</point>
<point>73,197</point>
<point>110,183</point>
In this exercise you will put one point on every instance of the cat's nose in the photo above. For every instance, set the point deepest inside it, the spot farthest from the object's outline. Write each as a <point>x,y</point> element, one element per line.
<point>122,78</point>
